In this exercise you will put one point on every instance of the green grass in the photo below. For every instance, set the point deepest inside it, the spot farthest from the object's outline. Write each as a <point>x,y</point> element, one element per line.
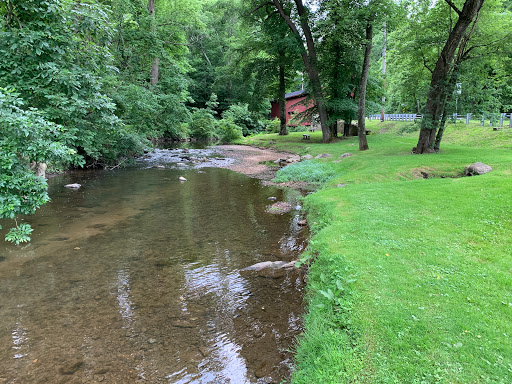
<point>411,280</point>
<point>306,171</point>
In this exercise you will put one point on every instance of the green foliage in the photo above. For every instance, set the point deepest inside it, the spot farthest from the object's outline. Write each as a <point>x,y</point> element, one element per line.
<point>27,137</point>
<point>241,116</point>
<point>273,126</point>
<point>56,55</point>
<point>228,131</point>
<point>313,172</point>
<point>19,234</point>
<point>203,125</point>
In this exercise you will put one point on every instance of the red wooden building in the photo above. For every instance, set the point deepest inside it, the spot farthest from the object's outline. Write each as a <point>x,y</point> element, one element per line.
<point>294,105</point>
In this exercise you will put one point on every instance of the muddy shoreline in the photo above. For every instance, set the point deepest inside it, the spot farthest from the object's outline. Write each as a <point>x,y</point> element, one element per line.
<point>253,162</point>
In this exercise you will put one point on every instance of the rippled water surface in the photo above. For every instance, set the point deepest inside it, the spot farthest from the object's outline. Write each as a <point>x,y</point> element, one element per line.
<point>137,277</point>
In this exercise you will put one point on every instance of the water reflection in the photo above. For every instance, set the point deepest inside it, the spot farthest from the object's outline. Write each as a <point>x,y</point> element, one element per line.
<point>137,278</point>
<point>123,296</point>
<point>19,339</point>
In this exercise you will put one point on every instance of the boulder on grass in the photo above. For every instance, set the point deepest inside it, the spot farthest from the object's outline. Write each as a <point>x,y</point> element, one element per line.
<point>477,169</point>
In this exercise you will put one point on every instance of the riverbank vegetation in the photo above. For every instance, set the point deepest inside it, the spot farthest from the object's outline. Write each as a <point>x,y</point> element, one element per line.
<point>410,261</point>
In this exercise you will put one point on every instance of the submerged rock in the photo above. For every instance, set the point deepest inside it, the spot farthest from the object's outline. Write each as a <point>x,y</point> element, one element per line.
<point>73,186</point>
<point>71,367</point>
<point>279,208</point>
<point>271,264</point>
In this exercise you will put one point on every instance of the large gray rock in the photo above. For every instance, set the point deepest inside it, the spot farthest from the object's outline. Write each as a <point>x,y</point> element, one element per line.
<point>348,154</point>
<point>323,156</point>
<point>307,157</point>
<point>272,265</point>
<point>477,169</point>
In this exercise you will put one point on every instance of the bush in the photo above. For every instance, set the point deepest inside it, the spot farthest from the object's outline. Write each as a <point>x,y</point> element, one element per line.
<point>273,126</point>
<point>307,171</point>
<point>203,124</point>
<point>241,116</point>
<point>228,130</point>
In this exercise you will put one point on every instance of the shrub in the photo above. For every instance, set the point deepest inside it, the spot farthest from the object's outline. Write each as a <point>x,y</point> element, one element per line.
<point>203,124</point>
<point>241,116</point>
<point>273,126</point>
<point>228,130</point>
<point>307,171</point>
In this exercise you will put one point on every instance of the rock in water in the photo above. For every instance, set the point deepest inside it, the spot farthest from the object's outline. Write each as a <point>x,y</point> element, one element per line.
<point>73,186</point>
<point>182,178</point>
<point>477,169</point>
<point>71,367</point>
<point>271,264</point>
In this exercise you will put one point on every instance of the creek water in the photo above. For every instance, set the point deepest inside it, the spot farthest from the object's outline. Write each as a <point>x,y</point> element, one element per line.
<point>137,277</point>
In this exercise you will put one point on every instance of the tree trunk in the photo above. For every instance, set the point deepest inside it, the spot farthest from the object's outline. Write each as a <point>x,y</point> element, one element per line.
<point>310,61</point>
<point>156,61</point>
<point>439,83</point>
<point>361,131</point>
<point>282,99</point>
<point>384,42</point>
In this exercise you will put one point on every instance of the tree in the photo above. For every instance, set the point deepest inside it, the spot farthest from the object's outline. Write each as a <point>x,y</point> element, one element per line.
<point>309,57</point>
<point>361,131</point>
<point>440,82</point>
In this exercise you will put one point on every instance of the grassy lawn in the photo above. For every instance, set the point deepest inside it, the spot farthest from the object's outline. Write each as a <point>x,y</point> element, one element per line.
<point>411,280</point>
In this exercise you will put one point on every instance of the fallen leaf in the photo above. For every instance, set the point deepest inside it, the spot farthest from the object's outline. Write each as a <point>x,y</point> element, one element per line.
<point>34,361</point>
<point>76,248</point>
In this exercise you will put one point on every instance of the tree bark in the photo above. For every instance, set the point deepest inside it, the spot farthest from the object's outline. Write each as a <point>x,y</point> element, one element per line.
<point>156,62</point>
<point>440,77</point>
<point>282,98</point>
<point>361,131</point>
<point>310,61</point>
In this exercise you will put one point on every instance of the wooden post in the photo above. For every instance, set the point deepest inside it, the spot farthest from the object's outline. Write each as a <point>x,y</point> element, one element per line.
<point>468,116</point>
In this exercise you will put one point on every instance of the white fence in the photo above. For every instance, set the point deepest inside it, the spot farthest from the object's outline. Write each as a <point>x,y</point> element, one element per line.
<point>503,117</point>
<point>396,117</point>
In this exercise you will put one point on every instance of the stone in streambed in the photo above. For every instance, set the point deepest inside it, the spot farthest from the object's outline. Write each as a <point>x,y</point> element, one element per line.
<point>71,367</point>
<point>265,368</point>
<point>73,186</point>
<point>181,178</point>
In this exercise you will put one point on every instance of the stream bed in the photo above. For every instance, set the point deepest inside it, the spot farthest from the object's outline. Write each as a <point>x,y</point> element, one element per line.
<point>138,277</point>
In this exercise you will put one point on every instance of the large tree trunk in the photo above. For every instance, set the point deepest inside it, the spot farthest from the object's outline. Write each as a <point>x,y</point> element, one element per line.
<point>440,76</point>
<point>156,62</point>
<point>361,131</point>
<point>282,99</point>
<point>310,61</point>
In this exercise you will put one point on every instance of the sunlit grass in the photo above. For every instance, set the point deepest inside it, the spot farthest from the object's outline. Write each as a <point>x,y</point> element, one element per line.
<point>412,273</point>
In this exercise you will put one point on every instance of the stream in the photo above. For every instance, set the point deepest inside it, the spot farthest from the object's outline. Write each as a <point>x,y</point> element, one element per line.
<point>138,277</point>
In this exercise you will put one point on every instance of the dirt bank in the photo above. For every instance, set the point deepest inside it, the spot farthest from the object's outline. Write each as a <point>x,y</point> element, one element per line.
<point>253,162</point>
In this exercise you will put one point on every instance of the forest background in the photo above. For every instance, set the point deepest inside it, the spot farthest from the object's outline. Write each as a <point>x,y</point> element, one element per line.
<point>89,83</point>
